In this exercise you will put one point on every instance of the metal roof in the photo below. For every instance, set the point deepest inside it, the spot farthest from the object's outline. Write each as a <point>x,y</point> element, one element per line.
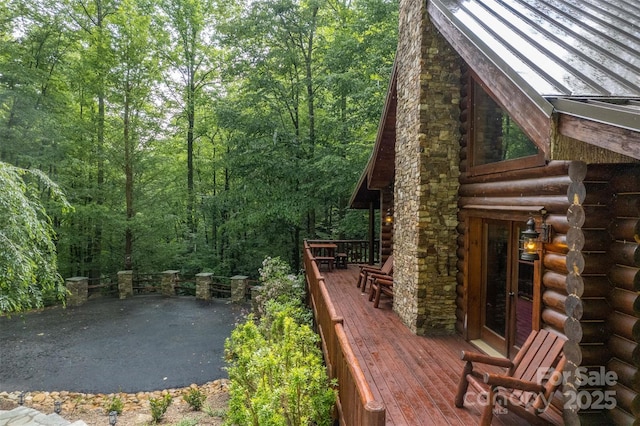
<point>560,49</point>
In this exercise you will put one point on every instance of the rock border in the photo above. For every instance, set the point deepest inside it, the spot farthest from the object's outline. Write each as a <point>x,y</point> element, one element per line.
<point>78,401</point>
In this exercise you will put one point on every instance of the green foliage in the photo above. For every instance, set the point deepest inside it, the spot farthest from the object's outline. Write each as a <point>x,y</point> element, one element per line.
<point>159,406</point>
<point>114,404</point>
<point>194,134</point>
<point>215,413</point>
<point>275,366</point>
<point>28,262</point>
<point>278,285</point>
<point>195,398</point>
<point>187,422</point>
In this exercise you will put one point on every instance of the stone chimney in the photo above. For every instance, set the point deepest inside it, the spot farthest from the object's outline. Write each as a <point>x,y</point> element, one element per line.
<point>426,176</point>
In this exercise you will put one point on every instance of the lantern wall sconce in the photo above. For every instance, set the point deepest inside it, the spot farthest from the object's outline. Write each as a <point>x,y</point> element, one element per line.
<point>388,218</point>
<point>529,242</point>
<point>21,398</point>
<point>57,407</point>
<point>530,239</point>
<point>113,418</point>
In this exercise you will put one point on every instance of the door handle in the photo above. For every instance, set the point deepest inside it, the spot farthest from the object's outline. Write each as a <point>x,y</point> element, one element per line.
<point>511,293</point>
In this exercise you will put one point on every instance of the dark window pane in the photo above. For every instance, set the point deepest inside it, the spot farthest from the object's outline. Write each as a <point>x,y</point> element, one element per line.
<point>496,136</point>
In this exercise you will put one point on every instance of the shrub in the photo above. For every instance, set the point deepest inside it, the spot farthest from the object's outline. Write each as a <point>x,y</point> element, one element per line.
<point>276,371</point>
<point>159,406</point>
<point>114,404</point>
<point>195,398</point>
<point>278,284</point>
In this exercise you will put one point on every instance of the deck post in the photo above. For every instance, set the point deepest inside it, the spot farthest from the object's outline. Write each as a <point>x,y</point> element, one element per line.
<point>168,282</point>
<point>125,284</point>
<point>372,225</point>
<point>203,285</point>
<point>238,288</point>
<point>78,288</point>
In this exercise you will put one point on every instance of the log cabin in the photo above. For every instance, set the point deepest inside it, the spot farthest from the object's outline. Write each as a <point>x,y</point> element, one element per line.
<point>511,116</point>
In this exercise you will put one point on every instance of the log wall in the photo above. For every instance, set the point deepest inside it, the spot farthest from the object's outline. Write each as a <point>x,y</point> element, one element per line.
<point>516,195</point>
<point>586,285</point>
<point>590,266</point>
<point>624,276</point>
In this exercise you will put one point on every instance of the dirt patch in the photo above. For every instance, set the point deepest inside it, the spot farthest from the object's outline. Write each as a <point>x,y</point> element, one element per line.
<point>90,408</point>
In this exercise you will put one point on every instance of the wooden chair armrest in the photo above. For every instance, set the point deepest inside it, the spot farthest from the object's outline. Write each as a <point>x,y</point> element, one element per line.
<point>485,359</point>
<point>367,268</point>
<point>512,383</point>
<point>379,276</point>
<point>384,281</point>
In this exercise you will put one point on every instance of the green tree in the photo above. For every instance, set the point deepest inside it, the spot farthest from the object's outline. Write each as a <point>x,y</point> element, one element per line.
<point>191,54</point>
<point>28,264</point>
<point>132,82</point>
<point>93,62</point>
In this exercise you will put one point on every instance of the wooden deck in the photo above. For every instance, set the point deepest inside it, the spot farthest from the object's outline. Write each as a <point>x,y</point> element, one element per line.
<point>415,377</point>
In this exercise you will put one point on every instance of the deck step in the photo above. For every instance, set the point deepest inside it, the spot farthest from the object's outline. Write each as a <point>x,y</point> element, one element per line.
<point>20,416</point>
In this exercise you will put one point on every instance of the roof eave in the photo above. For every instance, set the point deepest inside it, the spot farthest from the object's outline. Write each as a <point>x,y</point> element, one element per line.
<point>376,174</point>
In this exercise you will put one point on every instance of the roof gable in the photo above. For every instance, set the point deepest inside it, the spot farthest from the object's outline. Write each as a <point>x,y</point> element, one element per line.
<point>380,169</point>
<point>570,58</point>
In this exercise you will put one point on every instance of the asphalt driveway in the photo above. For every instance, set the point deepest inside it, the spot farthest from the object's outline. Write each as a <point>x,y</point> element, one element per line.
<point>109,345</point>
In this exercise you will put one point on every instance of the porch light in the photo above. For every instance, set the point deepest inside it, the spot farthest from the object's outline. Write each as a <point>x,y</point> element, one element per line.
<point>529,242</point>
<point>113,418</point>
<point>388,218</point>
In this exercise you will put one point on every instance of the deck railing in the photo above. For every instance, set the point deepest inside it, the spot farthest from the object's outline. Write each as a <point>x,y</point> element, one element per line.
<point>356,404</point>
<point>357,251</point>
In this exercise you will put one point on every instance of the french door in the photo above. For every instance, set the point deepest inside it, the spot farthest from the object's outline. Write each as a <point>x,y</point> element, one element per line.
<point>506,287</point>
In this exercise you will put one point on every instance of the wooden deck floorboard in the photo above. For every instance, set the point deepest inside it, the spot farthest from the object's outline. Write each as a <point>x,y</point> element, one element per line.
<point>415,377</point>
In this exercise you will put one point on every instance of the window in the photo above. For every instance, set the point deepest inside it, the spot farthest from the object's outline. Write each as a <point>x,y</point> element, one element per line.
<point>497,142</point>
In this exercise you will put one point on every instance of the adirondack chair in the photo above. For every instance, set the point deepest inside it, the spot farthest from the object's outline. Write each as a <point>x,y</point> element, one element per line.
<point>528,385</point>
<point>366,270</point>
<point>380,284</point>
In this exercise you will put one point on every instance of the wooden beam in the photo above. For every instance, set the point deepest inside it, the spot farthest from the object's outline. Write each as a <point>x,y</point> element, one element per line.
<point>616,139</point>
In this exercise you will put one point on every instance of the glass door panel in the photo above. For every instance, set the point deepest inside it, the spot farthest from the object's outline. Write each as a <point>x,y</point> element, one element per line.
<point>524,303</point>
<point>496,278</point>
<point>507,288</point>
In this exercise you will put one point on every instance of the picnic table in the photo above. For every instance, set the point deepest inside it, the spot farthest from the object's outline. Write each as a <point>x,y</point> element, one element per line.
<point>324,253</point>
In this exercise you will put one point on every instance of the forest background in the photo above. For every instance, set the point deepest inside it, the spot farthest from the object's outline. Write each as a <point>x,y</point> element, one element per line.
<point>198,135</point>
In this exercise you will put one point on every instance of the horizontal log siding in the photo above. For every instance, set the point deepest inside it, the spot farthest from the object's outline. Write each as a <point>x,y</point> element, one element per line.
<point>624,277</point>
<point>587,262</point>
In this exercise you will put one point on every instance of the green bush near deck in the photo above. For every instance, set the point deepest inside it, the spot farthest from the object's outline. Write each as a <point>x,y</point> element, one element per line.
<point>277,375</point>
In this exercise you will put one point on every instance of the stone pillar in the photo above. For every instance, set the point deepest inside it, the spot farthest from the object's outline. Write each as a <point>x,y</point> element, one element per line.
<point>256,293</point>
<point>168,282</point>
<point>125,284</point>
<point>427,171</point>
<point>78,288</point>
<point>203,285</point>
<point>238,288</point>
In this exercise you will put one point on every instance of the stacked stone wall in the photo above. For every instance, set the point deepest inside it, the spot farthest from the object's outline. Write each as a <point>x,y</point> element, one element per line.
<point>426,183</point>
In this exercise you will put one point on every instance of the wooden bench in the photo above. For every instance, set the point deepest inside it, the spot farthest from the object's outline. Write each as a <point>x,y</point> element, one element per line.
<point>527,386</point>
<point>325,260</point>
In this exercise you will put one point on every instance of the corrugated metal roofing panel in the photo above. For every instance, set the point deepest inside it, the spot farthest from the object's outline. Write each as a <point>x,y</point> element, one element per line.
<point>557,48</point>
